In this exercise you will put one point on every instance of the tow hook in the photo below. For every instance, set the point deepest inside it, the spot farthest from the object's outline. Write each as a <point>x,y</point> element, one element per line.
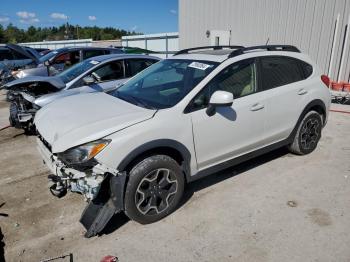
<point>57,189</point>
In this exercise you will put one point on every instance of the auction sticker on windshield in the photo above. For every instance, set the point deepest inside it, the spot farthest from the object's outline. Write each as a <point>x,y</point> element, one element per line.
<point>200,66</point>
<point>93,62</point>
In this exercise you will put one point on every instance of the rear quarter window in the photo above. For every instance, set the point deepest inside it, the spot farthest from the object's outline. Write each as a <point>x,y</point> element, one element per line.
<point>280,71</point>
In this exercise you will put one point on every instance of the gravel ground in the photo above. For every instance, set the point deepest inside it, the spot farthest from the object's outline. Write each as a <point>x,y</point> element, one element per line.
<point>278,207</point>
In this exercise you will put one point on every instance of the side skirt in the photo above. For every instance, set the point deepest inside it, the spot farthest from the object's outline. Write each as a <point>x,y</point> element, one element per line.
<point>238,160</point>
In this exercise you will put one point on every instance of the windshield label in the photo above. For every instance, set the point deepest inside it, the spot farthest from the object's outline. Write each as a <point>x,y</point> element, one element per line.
<point>200,66</point>
<point>93,62</point>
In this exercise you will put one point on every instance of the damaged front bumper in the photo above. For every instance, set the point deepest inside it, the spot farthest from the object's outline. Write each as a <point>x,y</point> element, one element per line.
<point>101,186</point>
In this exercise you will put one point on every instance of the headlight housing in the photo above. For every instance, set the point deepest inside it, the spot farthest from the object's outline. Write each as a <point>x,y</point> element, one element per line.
<point>83,153</point>
<point>17,73</point>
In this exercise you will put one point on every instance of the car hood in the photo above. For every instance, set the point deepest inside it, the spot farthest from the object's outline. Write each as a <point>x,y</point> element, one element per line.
<point>80,119</point>
<point>51,80</point>
<point>22,51</point>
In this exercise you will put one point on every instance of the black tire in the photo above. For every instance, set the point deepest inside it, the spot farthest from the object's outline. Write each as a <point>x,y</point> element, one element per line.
<point>308,134</point>
<point>142,189</point>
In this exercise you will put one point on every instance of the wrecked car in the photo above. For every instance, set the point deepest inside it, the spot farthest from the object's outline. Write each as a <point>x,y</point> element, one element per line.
<point>13,57</point>
<point>185,117</point>
<point>97,74</point>
<point>54,62</point>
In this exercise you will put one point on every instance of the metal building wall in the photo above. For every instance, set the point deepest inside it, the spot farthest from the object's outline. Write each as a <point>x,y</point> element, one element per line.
<point>308,24</point>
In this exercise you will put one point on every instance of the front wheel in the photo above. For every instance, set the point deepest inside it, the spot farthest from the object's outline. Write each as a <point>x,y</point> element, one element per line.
<point>154,189</point>
<point>308,134</point>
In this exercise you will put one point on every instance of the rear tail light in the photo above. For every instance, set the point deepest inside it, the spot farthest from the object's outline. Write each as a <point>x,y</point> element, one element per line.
<point>325,79</point>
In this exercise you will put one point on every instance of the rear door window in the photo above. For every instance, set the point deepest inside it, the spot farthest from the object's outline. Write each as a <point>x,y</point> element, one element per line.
<point>92,53</point>
<point>279,71</point>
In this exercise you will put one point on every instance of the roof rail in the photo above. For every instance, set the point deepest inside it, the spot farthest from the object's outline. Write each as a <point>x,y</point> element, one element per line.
<point>217,47</point>
<point>241,51</point>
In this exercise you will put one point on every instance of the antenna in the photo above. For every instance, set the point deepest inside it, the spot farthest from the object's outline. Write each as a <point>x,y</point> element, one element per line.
<point>268,40</point>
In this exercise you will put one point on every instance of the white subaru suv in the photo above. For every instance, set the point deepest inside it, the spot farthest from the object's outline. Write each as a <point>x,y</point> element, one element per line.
<point>196,113</point>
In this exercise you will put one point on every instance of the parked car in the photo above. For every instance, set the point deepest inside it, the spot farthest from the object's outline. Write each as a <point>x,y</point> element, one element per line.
<point>55,62</point>
<point>181,119</point>
<point>98,74</point>
<point>15,56</point>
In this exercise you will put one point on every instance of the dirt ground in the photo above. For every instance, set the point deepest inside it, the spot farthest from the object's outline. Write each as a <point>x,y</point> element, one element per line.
<point>278,207</point>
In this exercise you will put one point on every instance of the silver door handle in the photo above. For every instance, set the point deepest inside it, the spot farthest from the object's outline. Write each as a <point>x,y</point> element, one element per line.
<point>302,92</point>
<point>257,107</point>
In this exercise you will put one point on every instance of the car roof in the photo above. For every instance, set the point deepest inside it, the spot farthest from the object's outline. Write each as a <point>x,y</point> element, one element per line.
<point>222,53</point>
<point>103,58</point>
<point>69,48</point>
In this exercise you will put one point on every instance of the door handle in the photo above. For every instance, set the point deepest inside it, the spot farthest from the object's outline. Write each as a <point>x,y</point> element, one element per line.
<point>257,107</point>
<point>302,92</point>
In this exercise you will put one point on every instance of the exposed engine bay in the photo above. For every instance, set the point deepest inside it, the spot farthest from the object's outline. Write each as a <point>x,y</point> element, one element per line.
<point>22,105</point>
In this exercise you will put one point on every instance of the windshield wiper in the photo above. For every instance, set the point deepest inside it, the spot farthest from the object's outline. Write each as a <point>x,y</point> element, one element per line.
<point>136,100</point>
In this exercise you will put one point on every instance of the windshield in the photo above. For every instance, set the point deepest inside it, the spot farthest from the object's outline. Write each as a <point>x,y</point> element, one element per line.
<point>165,83</point>
<point>48,56</point>
<point>76,70</point>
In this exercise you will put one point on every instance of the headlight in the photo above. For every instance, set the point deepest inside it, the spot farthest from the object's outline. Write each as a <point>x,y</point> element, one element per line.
<point>83,153</point>
<point>17,73</point>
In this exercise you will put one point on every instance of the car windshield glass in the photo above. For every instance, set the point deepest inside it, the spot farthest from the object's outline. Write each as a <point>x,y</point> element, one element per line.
<point>48,56</point>
<point>76,70</point>
<point>165,83</point>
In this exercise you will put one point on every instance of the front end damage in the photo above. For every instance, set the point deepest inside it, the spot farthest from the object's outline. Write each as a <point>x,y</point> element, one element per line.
<point>102,188</point>
<point>22,111</point>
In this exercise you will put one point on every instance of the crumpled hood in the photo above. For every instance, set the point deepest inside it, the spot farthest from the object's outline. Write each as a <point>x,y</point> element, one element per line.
<point>54,81</point>
<point>79,119</point>
<point>22,51</point>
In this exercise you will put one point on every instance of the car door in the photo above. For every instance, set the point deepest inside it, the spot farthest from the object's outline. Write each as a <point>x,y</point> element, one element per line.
<point>284,91</point>
<point>234,130</point>
<point>108,76</point>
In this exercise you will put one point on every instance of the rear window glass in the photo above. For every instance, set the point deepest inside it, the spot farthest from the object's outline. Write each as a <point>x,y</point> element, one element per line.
<point>306,68</point>
<point>280,71</point>
<point>5,54</point>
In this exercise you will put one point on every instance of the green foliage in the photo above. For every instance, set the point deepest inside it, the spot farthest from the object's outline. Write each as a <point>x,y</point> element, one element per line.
<point>12,34</point>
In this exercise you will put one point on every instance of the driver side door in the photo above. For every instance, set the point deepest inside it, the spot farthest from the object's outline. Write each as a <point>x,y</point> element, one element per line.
<point>233,130</point>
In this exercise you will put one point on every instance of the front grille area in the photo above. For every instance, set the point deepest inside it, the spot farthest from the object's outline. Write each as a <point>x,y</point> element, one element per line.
<point>46,144</point>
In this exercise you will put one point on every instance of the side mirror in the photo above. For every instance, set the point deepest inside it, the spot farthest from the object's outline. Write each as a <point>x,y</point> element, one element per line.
<point>47,63</point>
<point>88,80</point>
<point>219,99</point>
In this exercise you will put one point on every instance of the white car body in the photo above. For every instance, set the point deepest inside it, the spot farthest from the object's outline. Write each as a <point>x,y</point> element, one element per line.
<point>264,119</point>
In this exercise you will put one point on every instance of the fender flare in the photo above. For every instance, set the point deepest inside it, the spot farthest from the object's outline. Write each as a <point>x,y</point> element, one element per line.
<point>159,143</point>
<point>313,103</point>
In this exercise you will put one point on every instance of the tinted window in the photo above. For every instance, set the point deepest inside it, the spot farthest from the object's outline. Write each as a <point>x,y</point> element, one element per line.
<point>279,71</point>
<point>92,53</point>
<point>69,58</point>
<point>5,54</point>
<point>238,79</point>
<point>137,65</point>
<point>111,71</point>
<point>76,70</point>
<point>306,68</point>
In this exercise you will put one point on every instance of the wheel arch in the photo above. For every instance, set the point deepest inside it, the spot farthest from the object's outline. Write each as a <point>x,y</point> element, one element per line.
<point>315,105</point>
<point>171,148</point>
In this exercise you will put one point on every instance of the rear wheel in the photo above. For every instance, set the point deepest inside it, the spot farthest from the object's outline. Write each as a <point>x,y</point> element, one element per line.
<point>308,134</point>
<point>154,189</point>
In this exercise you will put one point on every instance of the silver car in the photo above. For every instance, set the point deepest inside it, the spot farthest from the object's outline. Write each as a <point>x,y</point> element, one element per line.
<point>97,74</point>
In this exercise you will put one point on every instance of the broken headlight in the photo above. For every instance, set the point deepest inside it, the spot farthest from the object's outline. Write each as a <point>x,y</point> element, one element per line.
<point>83,153</point>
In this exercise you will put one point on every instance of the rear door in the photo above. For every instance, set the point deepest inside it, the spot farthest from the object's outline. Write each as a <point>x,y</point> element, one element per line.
<point>282,81</point>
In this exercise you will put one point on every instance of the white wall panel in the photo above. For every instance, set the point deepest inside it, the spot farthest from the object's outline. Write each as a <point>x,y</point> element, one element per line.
<point>308,24</point>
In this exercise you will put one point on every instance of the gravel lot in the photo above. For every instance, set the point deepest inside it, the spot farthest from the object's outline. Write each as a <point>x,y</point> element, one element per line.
<point>278,207</point>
